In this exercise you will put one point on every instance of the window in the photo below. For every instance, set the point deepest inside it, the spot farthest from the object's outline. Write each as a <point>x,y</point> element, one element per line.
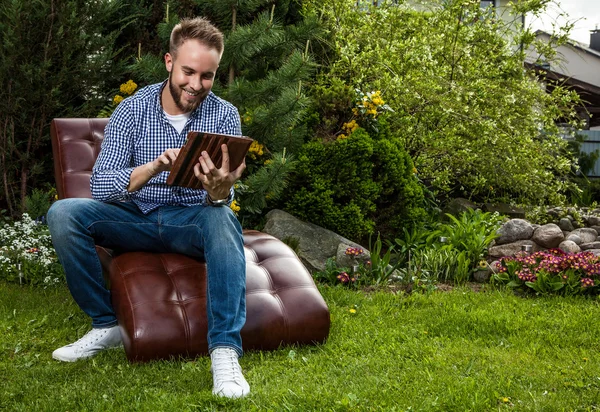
<point>487,3</point>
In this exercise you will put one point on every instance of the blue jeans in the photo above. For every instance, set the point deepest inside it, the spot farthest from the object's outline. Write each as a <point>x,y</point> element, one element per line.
<point>211,233</point>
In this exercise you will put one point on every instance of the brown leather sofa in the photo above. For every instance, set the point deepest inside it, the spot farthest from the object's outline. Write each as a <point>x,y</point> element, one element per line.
<point>160,299</point>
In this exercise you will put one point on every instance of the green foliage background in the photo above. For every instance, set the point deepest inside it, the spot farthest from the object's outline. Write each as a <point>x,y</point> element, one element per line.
<point>475,121</point>
<point>56,60</point>
<point>467,111</point>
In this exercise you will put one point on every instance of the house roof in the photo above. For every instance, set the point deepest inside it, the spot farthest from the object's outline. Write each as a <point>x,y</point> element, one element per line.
<point>575,44</point>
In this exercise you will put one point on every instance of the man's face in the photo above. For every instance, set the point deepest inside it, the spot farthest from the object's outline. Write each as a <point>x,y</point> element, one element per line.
<point>191,75</point>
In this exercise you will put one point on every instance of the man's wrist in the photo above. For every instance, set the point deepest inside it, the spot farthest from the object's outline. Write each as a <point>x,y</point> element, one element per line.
<point>150,169</point>
<point>218,202</point>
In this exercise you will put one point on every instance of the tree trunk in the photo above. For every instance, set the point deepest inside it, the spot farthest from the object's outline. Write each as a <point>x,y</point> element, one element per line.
<point>233,23</point>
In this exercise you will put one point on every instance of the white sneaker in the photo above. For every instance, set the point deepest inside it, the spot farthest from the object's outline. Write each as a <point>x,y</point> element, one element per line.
<point>90,344</point>
<point>228,380</point>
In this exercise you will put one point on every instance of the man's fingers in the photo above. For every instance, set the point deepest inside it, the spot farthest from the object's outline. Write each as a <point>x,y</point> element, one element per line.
<point>237,173</point>
<point>225,162</point>
<point>198,173</point>
<point>207,164</point>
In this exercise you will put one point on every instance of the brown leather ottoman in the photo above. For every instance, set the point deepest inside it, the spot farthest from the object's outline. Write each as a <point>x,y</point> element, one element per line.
<point>160,301</point>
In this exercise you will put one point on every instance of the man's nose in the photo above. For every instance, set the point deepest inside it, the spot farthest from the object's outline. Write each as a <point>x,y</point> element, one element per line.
<point>195,83</point>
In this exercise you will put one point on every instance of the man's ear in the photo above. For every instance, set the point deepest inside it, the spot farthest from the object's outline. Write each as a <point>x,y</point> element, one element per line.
<point>168,62</point>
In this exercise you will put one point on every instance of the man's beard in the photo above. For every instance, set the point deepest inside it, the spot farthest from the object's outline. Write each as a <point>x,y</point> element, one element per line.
<point>176,93</point>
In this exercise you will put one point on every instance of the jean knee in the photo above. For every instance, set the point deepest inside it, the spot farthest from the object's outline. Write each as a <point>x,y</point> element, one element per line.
<point>220,219</point>
<point>63,213</point>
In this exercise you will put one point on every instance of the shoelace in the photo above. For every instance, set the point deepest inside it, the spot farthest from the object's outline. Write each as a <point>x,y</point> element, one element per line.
<point>90,338</point>
<point>225,366</point>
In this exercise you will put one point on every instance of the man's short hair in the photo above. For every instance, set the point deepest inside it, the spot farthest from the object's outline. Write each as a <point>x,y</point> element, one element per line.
<point>199,29</point>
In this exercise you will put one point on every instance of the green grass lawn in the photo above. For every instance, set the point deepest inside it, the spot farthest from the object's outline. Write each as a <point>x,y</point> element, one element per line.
<point>447,351</point>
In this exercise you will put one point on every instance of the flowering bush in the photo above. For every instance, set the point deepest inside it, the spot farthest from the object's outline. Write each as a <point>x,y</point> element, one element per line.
<point>366,109</point>
<point>551,272</point>
<point>27,254</point>
<point>126,89</point>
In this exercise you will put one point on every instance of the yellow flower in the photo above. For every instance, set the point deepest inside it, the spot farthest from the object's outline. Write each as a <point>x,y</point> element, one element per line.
<point>350,126</point>
<point>234,206</point>
<point>117,99</point>
<point>352,310</point>
<point>369,106</point>
<point>377,101</point>
<point>355,111</point>
<point>256,148</point>
<point>505,399</point>
<point>342,136</point>
<point>128,88</point>
<point>268,161</point>
<point>372,111</point>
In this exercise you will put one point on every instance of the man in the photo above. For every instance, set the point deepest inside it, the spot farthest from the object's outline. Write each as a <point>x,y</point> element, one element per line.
<point>134,210</point>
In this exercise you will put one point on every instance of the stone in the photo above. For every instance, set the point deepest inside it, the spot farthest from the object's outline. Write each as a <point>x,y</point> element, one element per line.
<point>505,209</point>
<point>586,234</point>
<point>548,236</point>
<point>459,205</point>
<point>555,211</point>
<point>565,225</point>
<point>573,238</point>
<point>482,275</point>
<point>596,252</point>
<point>495,265</point>
<point>592,220</point>
<point>591,245</point>
<point>596,228</point>
<point>569,246</point>
<point>511,249</point>
<point>315,244</point>
<point>514,230</point>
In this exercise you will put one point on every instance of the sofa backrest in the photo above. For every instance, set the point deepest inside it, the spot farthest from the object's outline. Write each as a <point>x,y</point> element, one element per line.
<point>75,147</point>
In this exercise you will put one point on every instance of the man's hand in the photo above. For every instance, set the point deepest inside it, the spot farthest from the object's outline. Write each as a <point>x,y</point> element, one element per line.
<point>163,162</point>
<point>142,174</point>
<point>217,182</point>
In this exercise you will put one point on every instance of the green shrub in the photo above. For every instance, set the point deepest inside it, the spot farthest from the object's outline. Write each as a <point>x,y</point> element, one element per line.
<point>454,96</point>
<point>440,264</point>
<point>39,201</point>
<point>447,252</point>
<point>356,185</point>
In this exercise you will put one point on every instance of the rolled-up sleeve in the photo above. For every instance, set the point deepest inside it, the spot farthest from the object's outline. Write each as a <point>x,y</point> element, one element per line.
<point>112,171</point>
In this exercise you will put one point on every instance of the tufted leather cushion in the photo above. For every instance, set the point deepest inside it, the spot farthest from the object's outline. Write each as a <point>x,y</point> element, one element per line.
<point>160,299</point>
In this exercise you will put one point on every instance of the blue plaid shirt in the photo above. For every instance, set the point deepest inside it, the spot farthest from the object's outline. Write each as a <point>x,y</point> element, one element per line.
<point>137,133</point>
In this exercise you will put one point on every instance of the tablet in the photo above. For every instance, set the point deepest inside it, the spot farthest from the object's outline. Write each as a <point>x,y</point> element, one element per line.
<point>182,173</point>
